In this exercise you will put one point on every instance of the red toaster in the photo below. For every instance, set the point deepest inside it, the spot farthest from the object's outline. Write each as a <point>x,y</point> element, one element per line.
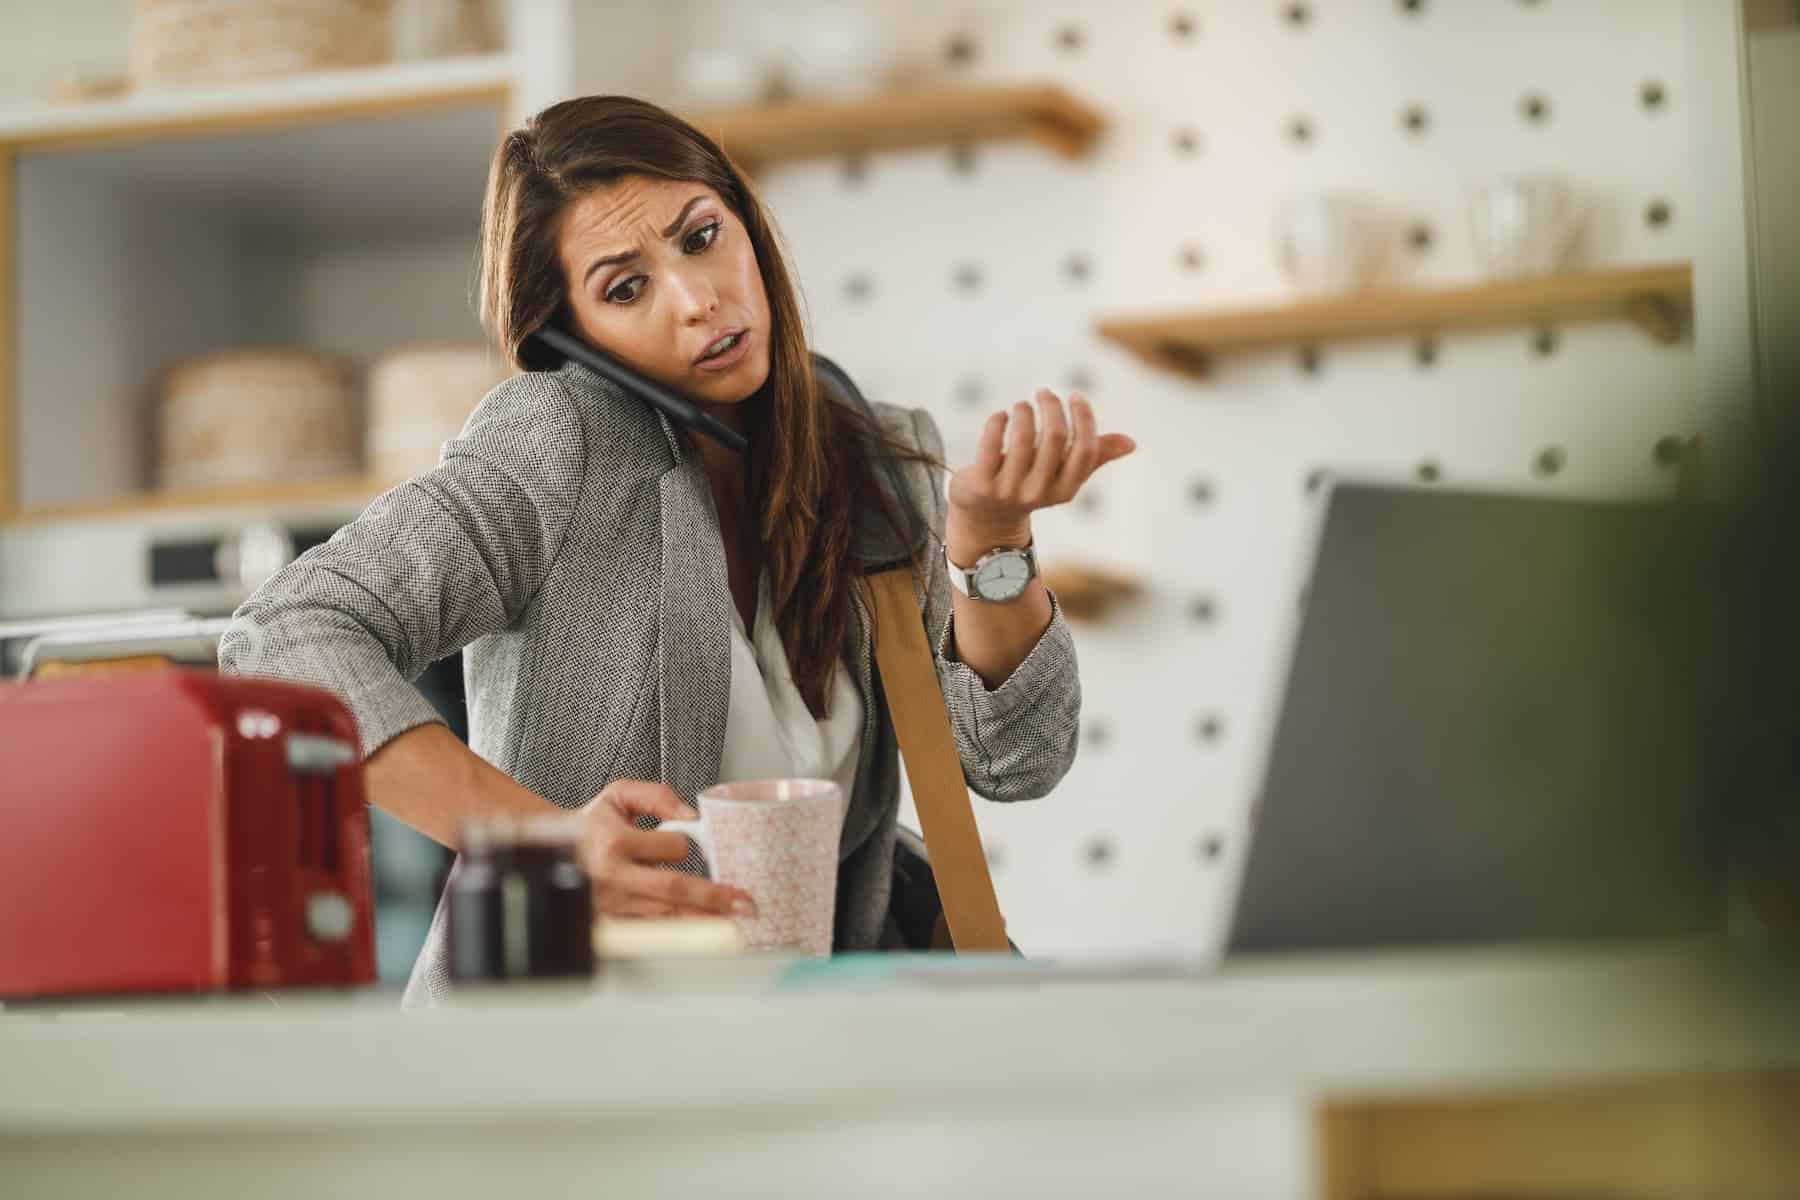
<point>172,830</point>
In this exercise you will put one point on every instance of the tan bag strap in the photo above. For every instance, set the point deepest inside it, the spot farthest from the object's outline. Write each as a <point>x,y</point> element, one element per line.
<point>922,724</point>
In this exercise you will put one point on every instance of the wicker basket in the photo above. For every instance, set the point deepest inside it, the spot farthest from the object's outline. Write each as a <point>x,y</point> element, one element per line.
<point>419,398</point>
<point>211,41</point>
<point>251,417</point>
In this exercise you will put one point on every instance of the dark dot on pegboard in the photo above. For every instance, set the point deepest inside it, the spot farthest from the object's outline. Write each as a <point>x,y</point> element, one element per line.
<point>1535,108</point>
<point>1543,342</point>
<point>968,277</point>
<point>1076,268</point>
<point>1201,493</point>
<point>1549,462</point>
<point>996,857</point>
<point>1087,501</point>
<point>1187,141</point>
<point>960,50</point>
<point>1203,610</point>
<point>859,287</point>
<point>1668,451</point>
<point>1657,214</point>
<point>1315,479</point>
<point>1429,472</point>
<point>1296,15</point>
<point>1098,852</point>
<point>1300,131</point>
<point>963,158</point>
<point>1069,38</point>
<point>969,393</point>
<point>1081,379</point>
<point>1096,733</point>
<point>1419,236</point>
<point>1425,351</point>
<point>1652,95</point>
<point>1190,258</point>
<point>855,168</point>
<point>1412,8</point>
<point>1309,359</point>
<point>1182,25</point>
<point>1210,847</point>
<point>1209,728</point>
<point>1415,118</point>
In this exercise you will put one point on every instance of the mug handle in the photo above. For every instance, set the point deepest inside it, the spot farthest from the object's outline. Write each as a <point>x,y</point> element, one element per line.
<point>696,829</point>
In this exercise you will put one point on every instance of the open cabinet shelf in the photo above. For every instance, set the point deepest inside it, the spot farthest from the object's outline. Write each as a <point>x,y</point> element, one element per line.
<point>761,136</point>
<point>1656,298</point>
<point>353,491</point>
<point>305,98</point>
<point>333,209</point>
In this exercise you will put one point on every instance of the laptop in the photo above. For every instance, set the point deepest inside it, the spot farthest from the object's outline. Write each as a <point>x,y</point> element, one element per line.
<point>1490,730</point>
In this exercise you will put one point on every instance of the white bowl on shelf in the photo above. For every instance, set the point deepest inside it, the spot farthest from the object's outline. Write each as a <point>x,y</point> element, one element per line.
<point>1524,225</point>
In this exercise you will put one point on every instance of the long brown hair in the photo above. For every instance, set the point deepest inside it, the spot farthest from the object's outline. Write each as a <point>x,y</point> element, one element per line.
<point>812,465</point>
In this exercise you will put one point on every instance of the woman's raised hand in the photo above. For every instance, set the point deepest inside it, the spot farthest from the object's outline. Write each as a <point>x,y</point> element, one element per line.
<point>1016,471</point>
<point>622,859</point>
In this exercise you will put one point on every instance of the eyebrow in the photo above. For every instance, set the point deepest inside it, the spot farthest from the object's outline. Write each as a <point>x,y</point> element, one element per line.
<point>628,255</point>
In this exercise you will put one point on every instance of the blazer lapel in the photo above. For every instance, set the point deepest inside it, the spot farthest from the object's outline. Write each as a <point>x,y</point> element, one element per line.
<point>695,680</point>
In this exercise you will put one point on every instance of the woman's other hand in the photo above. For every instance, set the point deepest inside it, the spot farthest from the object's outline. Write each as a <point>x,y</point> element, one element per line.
<point>623,860</point>
<point>1016,472</point>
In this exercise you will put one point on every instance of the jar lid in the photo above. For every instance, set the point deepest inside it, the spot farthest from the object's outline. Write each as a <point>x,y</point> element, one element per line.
<point>538,829</point>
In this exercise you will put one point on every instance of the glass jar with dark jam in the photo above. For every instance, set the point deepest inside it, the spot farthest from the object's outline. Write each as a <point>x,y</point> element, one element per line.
<point>520,904</point>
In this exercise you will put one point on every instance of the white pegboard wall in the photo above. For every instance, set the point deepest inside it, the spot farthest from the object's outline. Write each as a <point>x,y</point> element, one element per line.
<point>964,281</point>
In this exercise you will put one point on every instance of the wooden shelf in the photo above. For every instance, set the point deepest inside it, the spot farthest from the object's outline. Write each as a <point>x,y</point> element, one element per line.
<point>761,136</point>
<point>305,98</point>
<point>347,492</point>
<point>1655,298</point>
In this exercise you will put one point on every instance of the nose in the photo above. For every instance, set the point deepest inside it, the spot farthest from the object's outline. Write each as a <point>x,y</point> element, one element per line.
<point>697,296</point>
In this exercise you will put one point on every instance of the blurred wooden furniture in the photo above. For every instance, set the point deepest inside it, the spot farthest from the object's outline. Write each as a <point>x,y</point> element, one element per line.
<point>1656,299</point>
<point>1719,1134</point>
<point>1087,592</point>
<point>760,136</point>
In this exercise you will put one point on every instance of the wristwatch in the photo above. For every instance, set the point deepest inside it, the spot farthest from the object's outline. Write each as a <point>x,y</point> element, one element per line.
<point>999,575</point>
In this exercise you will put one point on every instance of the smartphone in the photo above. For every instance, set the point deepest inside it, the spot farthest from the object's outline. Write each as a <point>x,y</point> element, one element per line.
<point>660,396</point>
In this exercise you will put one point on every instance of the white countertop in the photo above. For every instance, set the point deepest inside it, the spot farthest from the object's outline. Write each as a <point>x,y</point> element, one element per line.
<point>1390,1024</point>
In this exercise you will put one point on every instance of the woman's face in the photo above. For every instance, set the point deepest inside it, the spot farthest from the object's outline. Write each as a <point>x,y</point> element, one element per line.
<point>658,271</point>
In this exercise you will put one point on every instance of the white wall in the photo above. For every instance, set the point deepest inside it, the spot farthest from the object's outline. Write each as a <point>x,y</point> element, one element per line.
<point>1149,790</point>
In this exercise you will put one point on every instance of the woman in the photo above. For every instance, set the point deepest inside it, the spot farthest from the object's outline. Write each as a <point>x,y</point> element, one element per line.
<point>647,613</point>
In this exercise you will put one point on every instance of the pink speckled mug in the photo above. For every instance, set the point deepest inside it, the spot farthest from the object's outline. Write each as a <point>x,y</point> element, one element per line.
<point>777,839</point>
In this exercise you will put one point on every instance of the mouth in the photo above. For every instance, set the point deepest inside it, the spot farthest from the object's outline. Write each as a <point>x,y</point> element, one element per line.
<point>725,351</point>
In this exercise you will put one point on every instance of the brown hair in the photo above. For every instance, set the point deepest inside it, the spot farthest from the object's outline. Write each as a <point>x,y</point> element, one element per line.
<point>812,462</point>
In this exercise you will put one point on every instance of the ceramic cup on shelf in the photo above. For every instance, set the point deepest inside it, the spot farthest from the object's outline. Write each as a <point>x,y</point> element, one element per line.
<point>776,839</point>
<point>1329,241</point>
<point>1524,224</point>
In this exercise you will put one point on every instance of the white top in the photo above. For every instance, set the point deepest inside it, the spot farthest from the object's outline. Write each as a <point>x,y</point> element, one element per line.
<point>769,732</point>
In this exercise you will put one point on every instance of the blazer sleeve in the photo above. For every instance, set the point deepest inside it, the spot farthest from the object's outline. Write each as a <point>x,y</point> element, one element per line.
<point>430,566</point>
<point>1018,740</point>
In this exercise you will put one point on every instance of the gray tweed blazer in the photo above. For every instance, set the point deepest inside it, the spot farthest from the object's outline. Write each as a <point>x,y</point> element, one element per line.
<point>567,538</point>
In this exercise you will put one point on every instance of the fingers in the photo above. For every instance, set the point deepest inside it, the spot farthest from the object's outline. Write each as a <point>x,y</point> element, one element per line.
<point>1052,447</point>
<point>650,845</point>
<point>1114,446</point>
<point>1021,448</point>
<point>1084,450</point>
<point>653,885</point>
<point>992,450</point>
<point>637,797</point>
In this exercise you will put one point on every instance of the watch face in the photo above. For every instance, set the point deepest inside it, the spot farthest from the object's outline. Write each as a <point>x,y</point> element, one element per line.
<point>1002,577</point>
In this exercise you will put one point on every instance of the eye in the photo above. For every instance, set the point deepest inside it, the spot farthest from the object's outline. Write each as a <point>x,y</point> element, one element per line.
<point>711,230</point>
<point>619,294</point>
